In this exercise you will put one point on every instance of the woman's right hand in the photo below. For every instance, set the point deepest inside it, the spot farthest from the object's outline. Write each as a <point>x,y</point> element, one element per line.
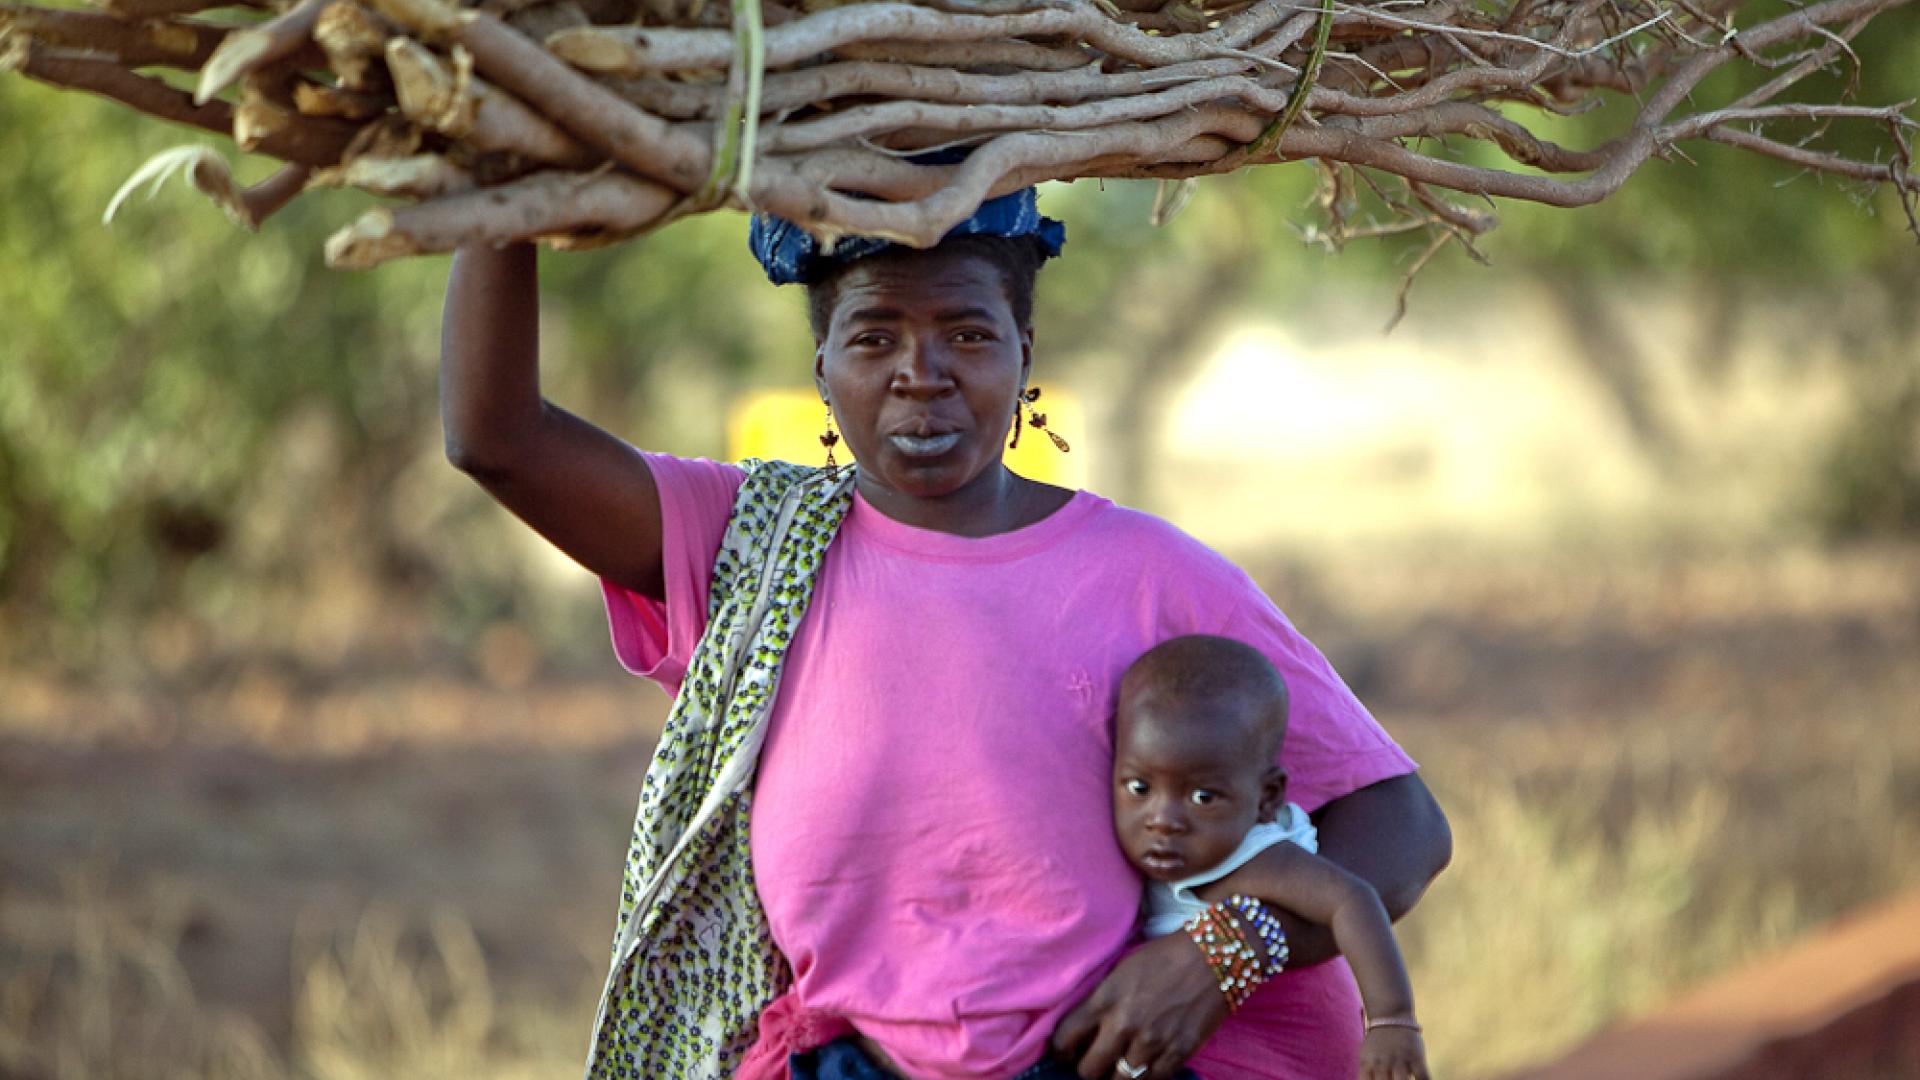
<point>584,490</point>
<point>1155,1009</point>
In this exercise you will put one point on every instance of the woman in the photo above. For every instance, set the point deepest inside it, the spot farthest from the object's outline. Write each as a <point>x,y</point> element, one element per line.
<point>930,830</point>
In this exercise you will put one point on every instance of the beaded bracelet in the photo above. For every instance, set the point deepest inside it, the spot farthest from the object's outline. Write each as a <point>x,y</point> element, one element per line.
<point>1273,939</point>
<point>1236,966</point>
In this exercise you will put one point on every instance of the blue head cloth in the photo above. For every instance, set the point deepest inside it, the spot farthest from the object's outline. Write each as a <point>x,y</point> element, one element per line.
<point>791,256</point>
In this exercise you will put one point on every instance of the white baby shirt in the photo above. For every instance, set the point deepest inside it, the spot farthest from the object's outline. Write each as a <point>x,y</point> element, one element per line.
<point>1171,903</point>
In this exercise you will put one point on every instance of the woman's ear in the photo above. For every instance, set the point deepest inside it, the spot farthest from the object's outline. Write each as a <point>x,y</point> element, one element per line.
<point>820,370</point>
<point>1273,792</point>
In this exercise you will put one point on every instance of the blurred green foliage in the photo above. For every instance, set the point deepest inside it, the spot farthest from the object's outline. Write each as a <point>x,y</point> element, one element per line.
<point>146,364</point>
<point>190,415</point>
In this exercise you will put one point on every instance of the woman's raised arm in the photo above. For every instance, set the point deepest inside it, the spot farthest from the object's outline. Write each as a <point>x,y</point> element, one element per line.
<point>584,490</point>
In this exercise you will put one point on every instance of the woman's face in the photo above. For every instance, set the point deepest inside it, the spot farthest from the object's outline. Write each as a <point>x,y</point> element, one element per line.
<point>921,364</point>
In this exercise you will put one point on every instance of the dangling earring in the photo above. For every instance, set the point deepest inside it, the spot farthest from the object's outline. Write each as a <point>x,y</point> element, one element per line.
<point>829,438</point>
<point>1035,418</point>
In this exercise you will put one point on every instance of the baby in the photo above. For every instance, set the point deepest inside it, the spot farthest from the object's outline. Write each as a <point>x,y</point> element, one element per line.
<point>1200,808</point>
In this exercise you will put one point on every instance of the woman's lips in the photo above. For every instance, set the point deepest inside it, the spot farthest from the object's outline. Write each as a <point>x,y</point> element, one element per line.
<point>925,446</point>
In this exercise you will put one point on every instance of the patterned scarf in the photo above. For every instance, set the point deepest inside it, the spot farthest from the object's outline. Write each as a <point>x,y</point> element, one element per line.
<point>693,961</point>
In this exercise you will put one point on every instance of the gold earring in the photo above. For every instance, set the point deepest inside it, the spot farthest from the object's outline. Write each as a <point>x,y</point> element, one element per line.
<point>829,438</point>
<point>1036,418</point>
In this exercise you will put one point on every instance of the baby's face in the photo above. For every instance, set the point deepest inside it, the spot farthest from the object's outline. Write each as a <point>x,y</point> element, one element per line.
<point>1185,793</point>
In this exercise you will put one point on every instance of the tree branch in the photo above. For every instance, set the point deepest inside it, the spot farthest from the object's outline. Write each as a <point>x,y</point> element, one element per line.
<point>144,43</point>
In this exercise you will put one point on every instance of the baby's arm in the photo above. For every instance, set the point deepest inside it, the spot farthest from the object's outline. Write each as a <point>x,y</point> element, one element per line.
<point>1317,890</point>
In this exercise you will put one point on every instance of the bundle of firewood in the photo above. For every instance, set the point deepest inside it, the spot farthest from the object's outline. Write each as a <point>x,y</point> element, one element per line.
<point>580,121</point>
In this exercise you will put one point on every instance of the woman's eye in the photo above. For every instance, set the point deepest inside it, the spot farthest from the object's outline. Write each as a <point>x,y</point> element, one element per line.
<point>868,341</point>
<point>1203,797</point>
<point>1135,787</point>
<point>970,337</point>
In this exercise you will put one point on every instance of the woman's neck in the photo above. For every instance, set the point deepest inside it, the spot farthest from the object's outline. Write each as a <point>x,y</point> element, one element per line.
<point>996,501</point>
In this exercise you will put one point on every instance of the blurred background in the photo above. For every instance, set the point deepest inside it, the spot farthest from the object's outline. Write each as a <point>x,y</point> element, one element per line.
<point>314,763</point>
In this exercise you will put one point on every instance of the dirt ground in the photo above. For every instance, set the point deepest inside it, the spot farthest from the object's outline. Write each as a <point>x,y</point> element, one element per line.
<point>523,842</point>
<point>268,817</point>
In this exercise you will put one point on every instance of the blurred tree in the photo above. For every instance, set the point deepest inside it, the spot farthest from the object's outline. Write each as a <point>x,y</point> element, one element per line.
<point>147,365</point>
<point>167,379</point>
<point>190,415</point>
<point>1728,227</point>
<point>1724,226</point>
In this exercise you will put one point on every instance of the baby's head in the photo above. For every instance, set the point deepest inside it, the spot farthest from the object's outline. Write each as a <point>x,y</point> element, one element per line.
<point>1196,738</point>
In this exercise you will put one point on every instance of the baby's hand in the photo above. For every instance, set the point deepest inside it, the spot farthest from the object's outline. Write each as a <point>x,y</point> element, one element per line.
<point>1393,1053</point>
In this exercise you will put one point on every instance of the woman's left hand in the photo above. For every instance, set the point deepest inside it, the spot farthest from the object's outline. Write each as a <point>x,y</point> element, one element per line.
<point>1153,1010</point>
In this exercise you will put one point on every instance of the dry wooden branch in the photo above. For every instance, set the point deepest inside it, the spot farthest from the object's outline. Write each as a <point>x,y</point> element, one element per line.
<point>540,205</point>
<point>81,71</point>
<point>352,38</point>
<point>143,43</point>
<point>969,56</point>
<point>267,120</point>
<point>597,116</point>
<point>257,47</point>
<point>635,50</point>
<point>255,204</point>
<point>867,121</point>
<point>315,99</point>
<point>413,176</point>
<point>309,142</point>
<point>460,106</point>
<point>208,171</point>
<point>635,112</point>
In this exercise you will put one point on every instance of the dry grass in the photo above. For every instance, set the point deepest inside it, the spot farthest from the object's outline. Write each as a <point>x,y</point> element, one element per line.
<point>1653,772</point>
<point>1587,885</point>
<point>1561,915</point>
<point>376,1008</point>
<point>1582,890</point>
<point>99,993</point>
<point>96,991</point>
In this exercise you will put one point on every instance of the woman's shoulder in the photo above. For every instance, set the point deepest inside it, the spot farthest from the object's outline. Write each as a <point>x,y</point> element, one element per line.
<point>1144,529</point>
<point>672,468</point>
<point>1152,543</point>
<point>717,485</point>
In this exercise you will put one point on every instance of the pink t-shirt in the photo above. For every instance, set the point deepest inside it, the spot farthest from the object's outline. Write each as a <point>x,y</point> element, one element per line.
<point>932,830</point>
